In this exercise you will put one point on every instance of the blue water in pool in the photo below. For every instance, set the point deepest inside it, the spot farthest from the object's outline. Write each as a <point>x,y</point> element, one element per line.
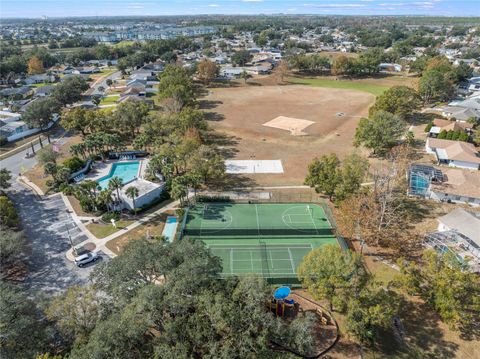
<point>127,171</point>
<point>170,228</point>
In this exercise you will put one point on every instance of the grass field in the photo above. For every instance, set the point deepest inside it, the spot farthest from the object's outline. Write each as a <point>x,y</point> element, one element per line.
<point>267,239</point>
<point>101,230</point>
<point>341,84</point>
<point>109,100</point>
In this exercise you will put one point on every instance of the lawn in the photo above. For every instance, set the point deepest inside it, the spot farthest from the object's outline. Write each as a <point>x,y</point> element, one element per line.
<point>41,84</point>
<point>340,84</point>
<point>101,230</point>
<point>154,227</point>
<point>109,100</point>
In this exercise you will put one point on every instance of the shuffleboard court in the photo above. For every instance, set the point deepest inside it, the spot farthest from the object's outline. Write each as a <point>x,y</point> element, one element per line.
<point>266,239</point>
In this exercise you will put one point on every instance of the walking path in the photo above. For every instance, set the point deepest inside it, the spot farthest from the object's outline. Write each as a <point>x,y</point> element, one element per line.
<point>100,243</point>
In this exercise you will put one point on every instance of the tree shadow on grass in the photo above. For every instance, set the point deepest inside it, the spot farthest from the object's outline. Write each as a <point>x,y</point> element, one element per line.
<point>424,336</point>
<point>232,181</point>
<point>423,118</point>
<point>416,211</point>
<point>214,116</point>
<point>208,104</point>
<point>225,143</point>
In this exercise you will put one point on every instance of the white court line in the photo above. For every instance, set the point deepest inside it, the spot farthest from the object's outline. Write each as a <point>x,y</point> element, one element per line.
<point>291,260</point>
<point>258,223</point>
<point>313,221</point>
<point>231,261</point>
<point>203,216</point>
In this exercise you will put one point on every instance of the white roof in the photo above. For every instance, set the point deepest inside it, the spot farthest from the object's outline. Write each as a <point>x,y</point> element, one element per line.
<point>435,129</point>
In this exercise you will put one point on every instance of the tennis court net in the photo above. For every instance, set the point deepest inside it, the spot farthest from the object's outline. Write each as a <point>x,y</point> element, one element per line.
<point>256,231</point>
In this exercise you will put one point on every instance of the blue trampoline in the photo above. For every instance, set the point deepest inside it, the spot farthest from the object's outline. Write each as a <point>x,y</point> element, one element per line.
<point>282,293</point>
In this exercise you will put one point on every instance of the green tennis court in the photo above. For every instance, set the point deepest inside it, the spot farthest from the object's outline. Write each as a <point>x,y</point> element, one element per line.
<point>218,219</point>
<point>267,239</point>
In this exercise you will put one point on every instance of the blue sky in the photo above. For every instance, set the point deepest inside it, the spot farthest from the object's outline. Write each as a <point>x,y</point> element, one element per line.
<point>62,8</point>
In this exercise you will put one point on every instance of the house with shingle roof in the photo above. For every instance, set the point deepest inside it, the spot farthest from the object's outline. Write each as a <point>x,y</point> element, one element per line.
<point>447,125</point>
<point>454,153</point>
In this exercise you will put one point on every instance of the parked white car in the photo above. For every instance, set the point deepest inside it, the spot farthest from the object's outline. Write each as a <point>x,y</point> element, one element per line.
<point>86,258</point>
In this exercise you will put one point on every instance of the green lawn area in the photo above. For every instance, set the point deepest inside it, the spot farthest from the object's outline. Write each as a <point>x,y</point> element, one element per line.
<point>40,84</point>
<point>124,43</point>
<point>101,230</point>
<point>340,84</point>
<point>110,100</point>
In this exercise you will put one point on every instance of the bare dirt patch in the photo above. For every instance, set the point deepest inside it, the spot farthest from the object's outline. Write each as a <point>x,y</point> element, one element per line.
<point>240,113</point>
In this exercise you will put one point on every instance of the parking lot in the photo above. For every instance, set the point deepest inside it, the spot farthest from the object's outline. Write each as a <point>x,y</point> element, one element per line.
<point>47,226</point>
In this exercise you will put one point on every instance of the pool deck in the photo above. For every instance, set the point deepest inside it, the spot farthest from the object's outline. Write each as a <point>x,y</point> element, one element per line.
<point>102,169</point>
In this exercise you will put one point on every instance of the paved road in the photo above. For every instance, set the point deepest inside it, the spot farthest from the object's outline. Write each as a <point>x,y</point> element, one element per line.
<point>103,83</point>
<point>45,222</point>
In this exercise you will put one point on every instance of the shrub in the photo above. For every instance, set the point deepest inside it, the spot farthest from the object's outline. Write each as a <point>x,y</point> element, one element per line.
<point>46,155</point>
<point>8,214</point>
<point>206,199</point>
<point>3,141</point>
<point>107,217</point>
<point>428,127</point>
<point>73,163</point>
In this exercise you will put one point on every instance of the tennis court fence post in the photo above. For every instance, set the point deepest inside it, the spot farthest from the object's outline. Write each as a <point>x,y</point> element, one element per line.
<point>328,213</point>
<point>184,222</point>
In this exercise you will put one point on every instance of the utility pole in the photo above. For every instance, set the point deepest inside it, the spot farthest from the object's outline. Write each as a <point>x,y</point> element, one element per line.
<point>70,239</point>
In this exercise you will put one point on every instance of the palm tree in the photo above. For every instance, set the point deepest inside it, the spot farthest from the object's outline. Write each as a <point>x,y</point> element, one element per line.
<point>178,190</point>
<point>115,184</point>
<point>132,192</point>
<point>105,198</point>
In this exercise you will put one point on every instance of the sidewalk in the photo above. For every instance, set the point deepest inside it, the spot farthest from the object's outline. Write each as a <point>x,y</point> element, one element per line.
<point>100,243</point>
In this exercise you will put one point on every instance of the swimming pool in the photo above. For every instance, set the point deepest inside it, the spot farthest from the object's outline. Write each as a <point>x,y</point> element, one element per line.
<point>418,184</point>
<point>127,171</point>
<point>170,228</point>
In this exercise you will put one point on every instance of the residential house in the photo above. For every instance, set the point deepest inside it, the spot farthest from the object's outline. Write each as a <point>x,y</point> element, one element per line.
<point>44,91</point>
<point>447,184</point>
<point>447,125</point>
<point>143,74</point>
<point>13,128</point>
<point>460,113</point>
<point>38,79</point>
<point>85,70</point>
<point>470,62</point>
<point>390,67</point>
<point>134,90</point>
<point>21,92</point>
<point>230,72</point>
<point>462,221</point>
<point>458,233</point>
<point>454,153</point>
